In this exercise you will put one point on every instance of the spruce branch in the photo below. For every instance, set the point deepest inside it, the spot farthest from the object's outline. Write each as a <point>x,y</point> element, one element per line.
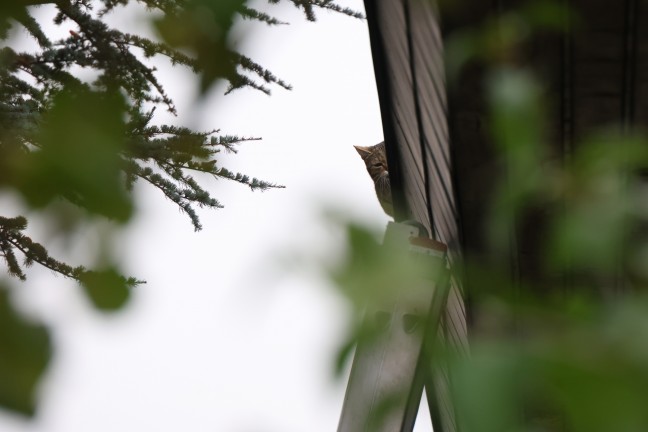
<point>308,6</point>
<point>166,154</point>
<point>13,239</point>
<point>167,157</point>
<point>32,26</point>
<point>255,15</point>
<point>182,197</point>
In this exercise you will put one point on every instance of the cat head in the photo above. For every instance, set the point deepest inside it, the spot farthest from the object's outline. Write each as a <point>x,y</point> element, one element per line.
<point>375,159</point>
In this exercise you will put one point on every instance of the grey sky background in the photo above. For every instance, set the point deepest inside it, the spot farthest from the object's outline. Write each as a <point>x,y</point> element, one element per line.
<point>237,327</point>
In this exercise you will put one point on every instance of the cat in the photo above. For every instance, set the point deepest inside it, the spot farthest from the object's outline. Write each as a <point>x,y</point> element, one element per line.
<point>375,159</point>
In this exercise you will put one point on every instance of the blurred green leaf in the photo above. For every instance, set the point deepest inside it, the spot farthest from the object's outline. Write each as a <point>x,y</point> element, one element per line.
<point>107,289</point>
<point>500,40</point>
<point>375,274</point>
<point>483,389</point>
<point>517,113</point>
<point>603,203</point>
<point>461,47</point>
<point>81,141</point>
<point>517,122</point>
<point>549,15</point>
<point>202,28</point>
<point>578,369</point>
<point>373,278</point>
<point>25,350</point>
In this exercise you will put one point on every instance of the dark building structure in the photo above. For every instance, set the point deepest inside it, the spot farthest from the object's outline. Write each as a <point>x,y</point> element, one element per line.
<point>442,164</point>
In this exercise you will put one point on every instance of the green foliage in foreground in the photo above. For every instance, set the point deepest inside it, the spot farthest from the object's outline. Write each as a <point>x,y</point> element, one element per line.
<point>564,362</point>
<point>72,149</point>
<point>571,360</point>
<point>577,365</point>
<point>26,350</point>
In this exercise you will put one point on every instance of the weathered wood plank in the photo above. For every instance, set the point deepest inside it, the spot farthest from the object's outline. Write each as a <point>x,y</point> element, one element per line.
<point>408,50</point>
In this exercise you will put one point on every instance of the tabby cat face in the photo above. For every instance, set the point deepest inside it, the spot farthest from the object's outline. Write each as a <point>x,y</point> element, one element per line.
<point>375,159</point>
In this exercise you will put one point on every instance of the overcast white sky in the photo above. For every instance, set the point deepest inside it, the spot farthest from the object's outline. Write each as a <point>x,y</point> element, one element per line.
<point>230,333</point>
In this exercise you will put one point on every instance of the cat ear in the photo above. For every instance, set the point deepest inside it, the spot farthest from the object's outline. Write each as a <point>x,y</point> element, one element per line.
<point>363,151</point>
